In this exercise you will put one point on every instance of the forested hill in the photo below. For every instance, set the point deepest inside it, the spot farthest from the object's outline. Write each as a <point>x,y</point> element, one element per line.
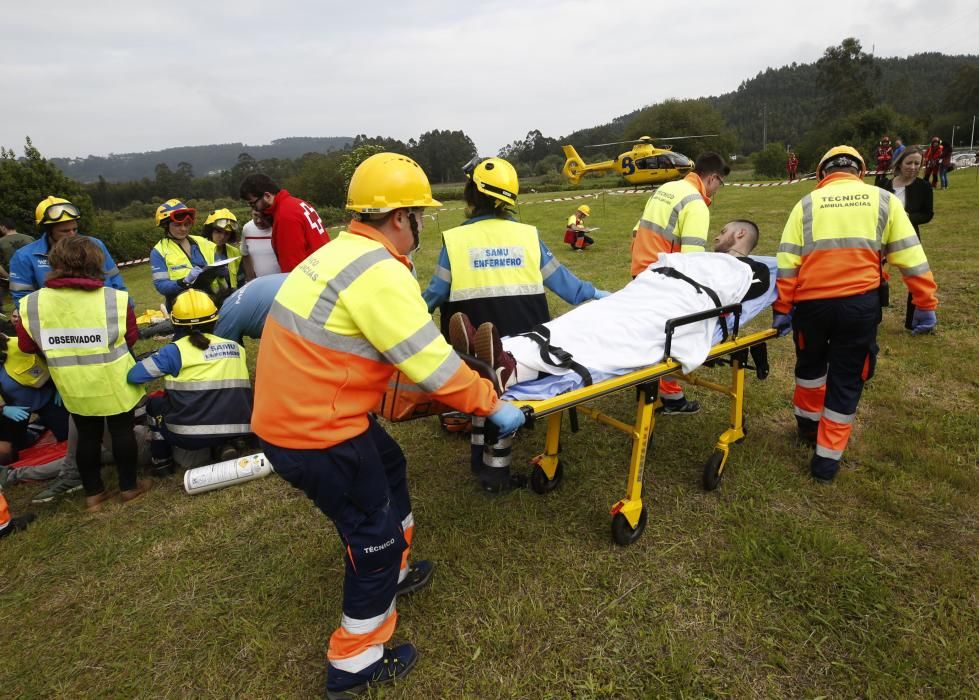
<point>122,167</point>
<point>790,99</point>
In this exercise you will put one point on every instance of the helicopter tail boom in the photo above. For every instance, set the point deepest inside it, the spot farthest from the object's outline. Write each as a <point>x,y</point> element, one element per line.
<point>575,166</point>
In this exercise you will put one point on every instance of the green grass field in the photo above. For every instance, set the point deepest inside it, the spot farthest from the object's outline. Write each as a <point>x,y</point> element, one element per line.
<point>771,586</point>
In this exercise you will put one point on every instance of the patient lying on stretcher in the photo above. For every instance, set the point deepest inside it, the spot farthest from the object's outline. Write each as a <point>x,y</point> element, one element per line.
<point>626,330</point>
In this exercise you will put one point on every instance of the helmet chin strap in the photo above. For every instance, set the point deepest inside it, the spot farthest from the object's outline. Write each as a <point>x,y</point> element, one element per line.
<point>416,239</point>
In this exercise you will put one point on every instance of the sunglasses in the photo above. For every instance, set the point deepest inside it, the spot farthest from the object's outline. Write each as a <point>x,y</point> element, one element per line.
<point>183,216</point>
<point>56,211</point>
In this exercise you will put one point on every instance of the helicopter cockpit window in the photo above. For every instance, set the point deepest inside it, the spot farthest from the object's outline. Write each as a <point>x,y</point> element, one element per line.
<point>679,160</point>
<point>650,163</point>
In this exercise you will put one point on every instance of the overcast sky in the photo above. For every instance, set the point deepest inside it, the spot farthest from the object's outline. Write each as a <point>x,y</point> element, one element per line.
<point>101,77</point>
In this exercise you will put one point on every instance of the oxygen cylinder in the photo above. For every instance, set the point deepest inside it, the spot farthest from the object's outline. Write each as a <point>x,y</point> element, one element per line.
<point>231,471</point>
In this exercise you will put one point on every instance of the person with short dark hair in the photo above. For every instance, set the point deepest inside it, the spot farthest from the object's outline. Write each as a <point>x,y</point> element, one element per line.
<point>676,220</point>
<point>297,229</point>
<point>257,257</point>
<point>85,330</point>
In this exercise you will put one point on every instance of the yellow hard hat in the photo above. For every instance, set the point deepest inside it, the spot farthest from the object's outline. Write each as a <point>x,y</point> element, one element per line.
<point>193,308</point>
<point>495,178</point>
<point>388,181</point>
<point>838,155</point>
<point>53,210</point>
<point>174,208</point>
<point>585,209</point>
<point>223,219</point>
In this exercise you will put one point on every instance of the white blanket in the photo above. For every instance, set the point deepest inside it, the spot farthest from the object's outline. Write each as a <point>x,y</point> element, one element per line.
<point>626,330</point>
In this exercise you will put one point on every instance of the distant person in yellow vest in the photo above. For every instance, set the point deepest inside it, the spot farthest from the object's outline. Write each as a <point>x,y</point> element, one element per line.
<point>495,269</point>
<point>221,228</point>
<point>26,388</point>
<point>576,234</point>
<point>676,220</point>
<point>84,330</point>
<point>345,320</point>
<point>179,258</point>
<point>208,399</point>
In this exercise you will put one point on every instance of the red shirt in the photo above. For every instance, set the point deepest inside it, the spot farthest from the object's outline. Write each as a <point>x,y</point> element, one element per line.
<point>296,230</point>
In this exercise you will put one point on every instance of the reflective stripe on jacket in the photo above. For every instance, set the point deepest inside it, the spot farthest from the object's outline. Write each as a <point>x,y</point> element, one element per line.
<point>211,396</point>
<point>496,274</point>
<point>178,263</point>
<point>675,220</point>
<point>833,241</point>
<point>82,334</point>
<point>343,320</point>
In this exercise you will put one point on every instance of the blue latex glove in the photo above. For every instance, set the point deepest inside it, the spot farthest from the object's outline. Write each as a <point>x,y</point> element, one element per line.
<point>193,275</point>
<point>16,413</point>
<point>507,418</point>
<point>601,294</point>
<point>923,322</point>
<point>782,323</point>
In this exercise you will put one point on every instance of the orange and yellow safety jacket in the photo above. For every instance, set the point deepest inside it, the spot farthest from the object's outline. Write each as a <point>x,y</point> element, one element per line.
<point>344,320</point>
<point>676,219</point>
<point>834,241</point>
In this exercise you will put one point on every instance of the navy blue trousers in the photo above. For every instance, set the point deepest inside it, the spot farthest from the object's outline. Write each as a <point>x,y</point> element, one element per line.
<point>361,485</point>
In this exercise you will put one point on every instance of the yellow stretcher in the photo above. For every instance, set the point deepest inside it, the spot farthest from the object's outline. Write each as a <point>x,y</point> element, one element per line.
<point>628,514</point>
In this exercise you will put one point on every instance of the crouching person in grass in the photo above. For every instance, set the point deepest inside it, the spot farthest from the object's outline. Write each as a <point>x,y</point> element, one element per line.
<point>208,399</point>
<point>84,330</point>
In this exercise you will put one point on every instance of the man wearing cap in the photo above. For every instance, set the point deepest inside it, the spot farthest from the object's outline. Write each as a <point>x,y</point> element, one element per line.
<point>830,291</point>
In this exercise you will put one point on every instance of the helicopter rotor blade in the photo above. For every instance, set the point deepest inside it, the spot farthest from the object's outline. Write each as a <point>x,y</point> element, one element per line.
<point>678,138</point>
<point>612,143</point>
<point>649,140</point>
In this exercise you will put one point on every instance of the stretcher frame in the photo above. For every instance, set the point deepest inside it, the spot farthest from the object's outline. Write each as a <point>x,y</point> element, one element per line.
<point>628,514</point>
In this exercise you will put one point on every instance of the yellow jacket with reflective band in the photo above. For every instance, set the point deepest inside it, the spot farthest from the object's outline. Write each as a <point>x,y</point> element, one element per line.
<point>343,320</point>
<point>25,368</point>
<point>82,334</point>
<point>234,265</point>
<point>177,261</point>
<point>493,258</point>
<point>832,244</point>
<point>676,219</point>
<point>211,396</point>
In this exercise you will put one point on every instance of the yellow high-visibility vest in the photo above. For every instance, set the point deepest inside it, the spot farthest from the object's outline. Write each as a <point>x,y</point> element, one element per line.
<point>493,258</point>
<point>82,334</point>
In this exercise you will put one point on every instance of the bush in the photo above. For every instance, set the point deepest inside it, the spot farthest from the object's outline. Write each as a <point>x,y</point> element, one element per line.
<point>770,161</point>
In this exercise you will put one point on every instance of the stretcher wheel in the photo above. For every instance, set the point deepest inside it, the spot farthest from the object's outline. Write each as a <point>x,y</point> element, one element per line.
<point>714,470</point>
<point>541,484</point>
<point>623,533</point>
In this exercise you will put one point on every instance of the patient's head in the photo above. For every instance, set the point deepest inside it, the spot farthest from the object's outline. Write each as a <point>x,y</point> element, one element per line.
<point>738,237</point>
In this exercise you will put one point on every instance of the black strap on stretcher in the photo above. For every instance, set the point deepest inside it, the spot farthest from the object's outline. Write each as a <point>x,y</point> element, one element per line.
<point>555,356</point>
<point>701,288</point>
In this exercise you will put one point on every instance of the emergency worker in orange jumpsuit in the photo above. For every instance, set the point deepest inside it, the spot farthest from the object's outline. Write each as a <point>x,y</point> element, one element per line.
<point>830,292</point>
